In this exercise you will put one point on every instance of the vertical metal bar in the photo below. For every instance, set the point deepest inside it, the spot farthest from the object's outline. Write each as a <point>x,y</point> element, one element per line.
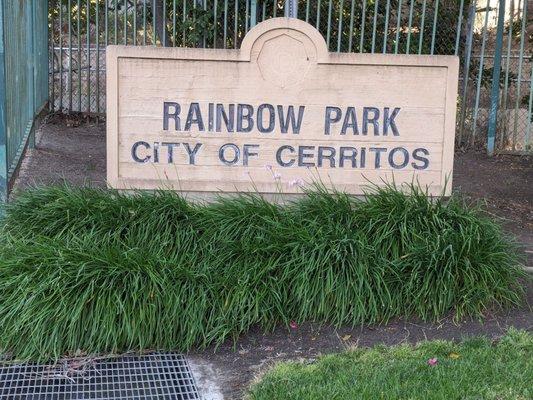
<point>436,16</point>
<point>328,35</point>
<point>386,27</point>
<point>350,40</point>
<point>97,30</point>
<point>106,18</point>
<point>375,23</point>
<point>399,18</point>
<point>60,56</point>
<point>164,23</point>
<point>246,16</point>
<point>307,7</point>
<point>154,28</point>
<point>69,20</point>
<point>459,23</point>
<point>144,22</point>
<point>135,24</point>
<point>174,10</point>
<point>495,91</point>
<point>30,65</point>
<point>44,91</point>
<point>339,30</point>
<point>275,5</point>
<point>225,22</point>
<point>505,128</point>
<point>236,24</point>
<point>480,72</point>
<point>363,20</point>
<point>78,28</point>
<point>125,41</point>
<point>32,69</point>
<point>3,119</point>
<point>215,11</point>
<point>194,6</point>
<point>466,69</point>
<point>88,34</point>
<point>51,61</point>
<point>253,13</point>
<point>183,18</point>
<point>291,8</point>
<point>116,21</point>
<point>422,27</point>
<point>527,141</point>
<point>520,65</point>
<point>318,15</point>
<point>409,25</point>
<point>115,24</point>
<point>204,36</point>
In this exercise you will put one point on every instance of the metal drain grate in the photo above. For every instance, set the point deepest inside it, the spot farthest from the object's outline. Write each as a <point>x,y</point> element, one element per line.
<point>130,377</point>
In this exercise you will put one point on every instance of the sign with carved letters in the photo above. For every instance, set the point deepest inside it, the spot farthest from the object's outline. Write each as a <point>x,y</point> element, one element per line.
<point>277,114</point>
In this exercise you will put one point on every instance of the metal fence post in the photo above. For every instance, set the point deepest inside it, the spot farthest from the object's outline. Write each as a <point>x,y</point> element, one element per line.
<point>31,70</point>
<point>253,13</point>
<point>291,8</point>
<point>527,142</point>
<point>495,92</point>
<point>3,129</point>
<point>466,70</point>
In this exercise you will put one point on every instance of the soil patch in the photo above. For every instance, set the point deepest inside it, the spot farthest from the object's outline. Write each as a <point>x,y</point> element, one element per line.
<point>237,365</point>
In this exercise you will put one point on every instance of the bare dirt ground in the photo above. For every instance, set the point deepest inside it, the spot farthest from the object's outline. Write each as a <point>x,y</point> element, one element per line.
<point>505,183</point>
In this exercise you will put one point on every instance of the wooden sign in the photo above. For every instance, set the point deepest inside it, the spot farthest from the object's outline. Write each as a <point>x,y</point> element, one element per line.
<point>277,114</point>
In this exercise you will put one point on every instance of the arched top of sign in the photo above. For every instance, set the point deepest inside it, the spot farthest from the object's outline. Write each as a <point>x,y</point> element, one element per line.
<point>284,50</point>
<point>291,27</point>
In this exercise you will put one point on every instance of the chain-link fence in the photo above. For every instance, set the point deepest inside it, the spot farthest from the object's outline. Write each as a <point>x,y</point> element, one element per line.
<point>81,29</point>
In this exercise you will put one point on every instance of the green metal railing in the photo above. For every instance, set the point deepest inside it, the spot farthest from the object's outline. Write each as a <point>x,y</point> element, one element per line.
<point>81,29</point>
<point>23,78</point>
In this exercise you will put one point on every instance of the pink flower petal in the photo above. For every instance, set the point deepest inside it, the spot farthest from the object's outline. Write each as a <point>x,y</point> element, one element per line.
<point>293,325</point>
<point>433,361</point>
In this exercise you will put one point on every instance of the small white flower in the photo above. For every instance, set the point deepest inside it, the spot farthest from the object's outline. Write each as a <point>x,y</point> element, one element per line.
<point>296,182</point>
<point>269,167</point>
<point>277,175</point>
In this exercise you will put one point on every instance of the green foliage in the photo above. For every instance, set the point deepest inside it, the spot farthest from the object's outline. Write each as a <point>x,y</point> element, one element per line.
<point>98,270</point>
<point>474,369</point>
<point>205,23</point>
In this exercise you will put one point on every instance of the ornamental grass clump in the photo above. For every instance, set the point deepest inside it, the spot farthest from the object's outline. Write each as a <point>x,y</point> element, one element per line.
<point>93,270</point>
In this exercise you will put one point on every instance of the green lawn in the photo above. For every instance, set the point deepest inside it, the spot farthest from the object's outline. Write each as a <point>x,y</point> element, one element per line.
<point>473,369</point>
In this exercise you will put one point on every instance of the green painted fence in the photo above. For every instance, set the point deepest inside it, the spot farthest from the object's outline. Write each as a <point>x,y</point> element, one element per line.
<point>24,81</point>
<point>81,29</point>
